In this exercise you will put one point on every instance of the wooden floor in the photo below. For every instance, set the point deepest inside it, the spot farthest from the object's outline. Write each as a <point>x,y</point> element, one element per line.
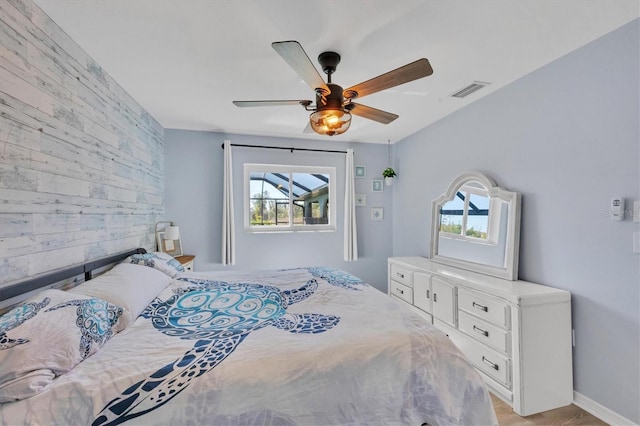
<point>570,416</point>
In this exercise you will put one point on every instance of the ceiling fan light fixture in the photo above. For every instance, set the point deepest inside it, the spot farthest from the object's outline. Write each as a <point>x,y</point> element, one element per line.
<point>330,121</point>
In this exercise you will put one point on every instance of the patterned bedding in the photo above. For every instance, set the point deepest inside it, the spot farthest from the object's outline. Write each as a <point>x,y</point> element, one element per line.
<point>307,346</point>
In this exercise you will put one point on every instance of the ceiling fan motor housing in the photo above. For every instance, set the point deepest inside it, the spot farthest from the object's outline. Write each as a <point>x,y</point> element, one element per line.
<point>333,100</point>
<point>329,62</point>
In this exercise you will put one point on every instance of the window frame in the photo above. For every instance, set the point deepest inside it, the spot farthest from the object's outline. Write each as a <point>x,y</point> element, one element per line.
<point>290,170</point>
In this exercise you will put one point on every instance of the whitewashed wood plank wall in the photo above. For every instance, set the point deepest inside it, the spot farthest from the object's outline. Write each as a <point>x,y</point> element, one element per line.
<point>81,162</point>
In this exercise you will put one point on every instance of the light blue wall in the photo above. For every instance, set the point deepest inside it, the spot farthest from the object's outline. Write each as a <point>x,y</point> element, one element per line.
<point>193,172</point>
<point>566,137</point>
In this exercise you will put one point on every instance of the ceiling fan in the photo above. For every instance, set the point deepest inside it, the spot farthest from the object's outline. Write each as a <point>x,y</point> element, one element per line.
<point>333,106</point>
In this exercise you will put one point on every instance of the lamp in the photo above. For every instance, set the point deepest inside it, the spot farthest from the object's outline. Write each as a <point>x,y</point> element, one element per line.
<point>330,121</point>
<point>171,232</point>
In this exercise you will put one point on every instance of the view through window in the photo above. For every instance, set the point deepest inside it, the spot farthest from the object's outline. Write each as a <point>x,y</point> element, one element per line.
<point>282,197</point>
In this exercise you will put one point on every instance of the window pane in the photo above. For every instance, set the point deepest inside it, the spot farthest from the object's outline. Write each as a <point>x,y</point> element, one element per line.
<point>311,191</point>
<point>478,216</point>
<point>298,213</point>
<point>269,202</point>
<point>282,213</point>
<point>269,185</point>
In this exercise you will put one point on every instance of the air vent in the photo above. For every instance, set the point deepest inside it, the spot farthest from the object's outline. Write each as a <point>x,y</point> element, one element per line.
<point>473,87</point>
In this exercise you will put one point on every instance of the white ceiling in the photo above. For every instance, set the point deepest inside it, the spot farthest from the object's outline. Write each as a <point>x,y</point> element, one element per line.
<point>185,61</point>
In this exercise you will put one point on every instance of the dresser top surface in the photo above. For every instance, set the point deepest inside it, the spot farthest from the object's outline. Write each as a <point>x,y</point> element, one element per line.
<point>519,292</point>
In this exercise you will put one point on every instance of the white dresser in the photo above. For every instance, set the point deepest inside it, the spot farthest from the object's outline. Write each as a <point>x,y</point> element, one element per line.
<point>517,334</point>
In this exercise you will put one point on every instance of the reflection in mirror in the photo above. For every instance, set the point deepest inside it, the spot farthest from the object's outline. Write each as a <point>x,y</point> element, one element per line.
<point>466,216</point>
<point>476,227</point>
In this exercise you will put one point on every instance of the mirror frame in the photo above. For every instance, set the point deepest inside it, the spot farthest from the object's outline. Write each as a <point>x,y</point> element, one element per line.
<point>512,247</point>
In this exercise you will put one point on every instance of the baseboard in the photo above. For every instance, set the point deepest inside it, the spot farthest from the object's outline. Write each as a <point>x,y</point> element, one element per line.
<point>600,411</point>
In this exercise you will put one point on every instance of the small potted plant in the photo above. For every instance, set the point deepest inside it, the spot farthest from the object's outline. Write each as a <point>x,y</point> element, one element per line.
<point>388,175</point>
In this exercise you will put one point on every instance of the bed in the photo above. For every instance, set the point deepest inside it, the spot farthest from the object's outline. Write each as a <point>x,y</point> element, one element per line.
<point>147,343</point>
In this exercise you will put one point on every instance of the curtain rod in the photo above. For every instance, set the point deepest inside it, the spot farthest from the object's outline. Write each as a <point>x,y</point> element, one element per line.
<point>285,148</point>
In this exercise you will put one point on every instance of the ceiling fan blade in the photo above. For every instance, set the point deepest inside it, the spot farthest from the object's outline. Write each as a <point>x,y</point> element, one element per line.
<point>293,53</point>
<point>373,113</point>
<point>413,71</point>
<point>303,102</point>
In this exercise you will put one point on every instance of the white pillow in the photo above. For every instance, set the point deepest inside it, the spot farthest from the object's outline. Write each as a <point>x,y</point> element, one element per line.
<point>157,260</point>
<point>127,285</point>
<point>47,336</point>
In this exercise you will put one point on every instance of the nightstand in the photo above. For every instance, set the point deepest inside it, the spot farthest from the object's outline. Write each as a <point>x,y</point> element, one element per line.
<point>186,261</point>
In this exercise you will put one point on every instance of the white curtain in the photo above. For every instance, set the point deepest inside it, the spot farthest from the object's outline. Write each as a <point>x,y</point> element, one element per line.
<point>228,226</point>
<point>350,232</point>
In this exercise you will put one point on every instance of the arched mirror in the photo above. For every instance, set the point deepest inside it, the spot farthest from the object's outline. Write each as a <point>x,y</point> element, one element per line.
<point>476,226</point>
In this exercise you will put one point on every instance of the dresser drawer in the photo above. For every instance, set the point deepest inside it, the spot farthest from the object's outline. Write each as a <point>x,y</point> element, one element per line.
<point>401,275</point>
<point>484,331</point>
<point>401,291</point>
<point>494,311</point>
<point>494,365</point>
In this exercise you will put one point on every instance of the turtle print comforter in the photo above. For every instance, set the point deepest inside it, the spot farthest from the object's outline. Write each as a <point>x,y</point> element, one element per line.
<point>307,346</point>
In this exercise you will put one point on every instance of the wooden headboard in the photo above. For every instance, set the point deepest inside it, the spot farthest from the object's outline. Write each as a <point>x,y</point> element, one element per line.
<point>14,290</point>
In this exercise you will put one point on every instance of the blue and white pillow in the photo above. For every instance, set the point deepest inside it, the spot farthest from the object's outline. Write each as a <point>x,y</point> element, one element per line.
<point>157,260</point>
<point>47,336</point>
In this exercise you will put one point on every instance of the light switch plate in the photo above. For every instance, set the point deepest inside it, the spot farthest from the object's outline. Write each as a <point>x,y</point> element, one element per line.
<point>636,211</point>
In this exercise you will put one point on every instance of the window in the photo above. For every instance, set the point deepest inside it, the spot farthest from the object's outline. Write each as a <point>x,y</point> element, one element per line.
<point>468,216</point>
<point>288,198</point>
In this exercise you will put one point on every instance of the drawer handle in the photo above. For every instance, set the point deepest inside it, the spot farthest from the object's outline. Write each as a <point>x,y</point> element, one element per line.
<point>485,333</point>
<point>427,294</point>
<point>479,306</point>
<point>435,297</point>
<point>399,290</point>
<point>489,363</point>
<point>400,275</point>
